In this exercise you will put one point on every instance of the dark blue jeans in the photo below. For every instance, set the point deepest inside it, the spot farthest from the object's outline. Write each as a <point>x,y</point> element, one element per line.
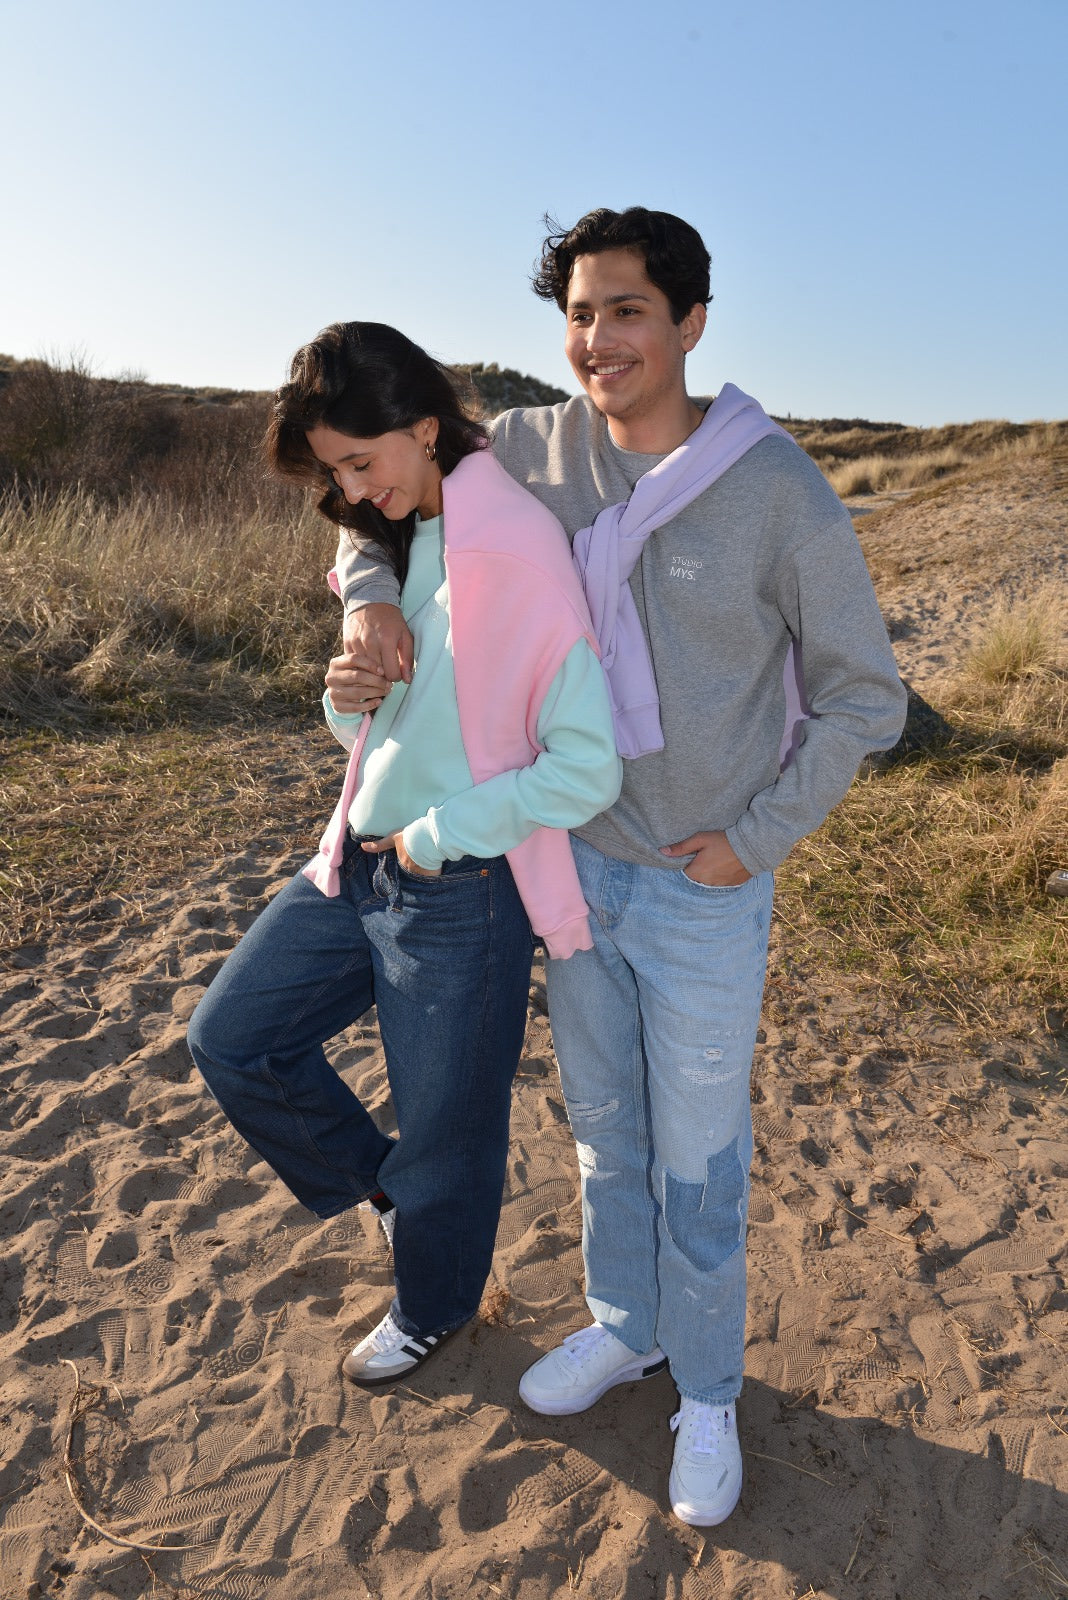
<point>447,963</point>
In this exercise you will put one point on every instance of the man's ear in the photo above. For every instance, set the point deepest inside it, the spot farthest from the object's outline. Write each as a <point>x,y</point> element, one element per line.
<point>692,326</point>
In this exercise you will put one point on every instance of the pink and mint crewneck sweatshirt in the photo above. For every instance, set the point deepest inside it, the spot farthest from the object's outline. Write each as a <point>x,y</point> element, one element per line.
<point>414,775</point>
<point>516,611</point>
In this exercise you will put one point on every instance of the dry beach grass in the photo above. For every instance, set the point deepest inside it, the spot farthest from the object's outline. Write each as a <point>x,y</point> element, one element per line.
<point>904,1415</point>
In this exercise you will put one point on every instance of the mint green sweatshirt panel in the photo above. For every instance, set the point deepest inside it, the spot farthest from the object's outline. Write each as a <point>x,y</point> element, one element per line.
<point>576,775</point>
<point>414,774</point>
<point>414,754</point>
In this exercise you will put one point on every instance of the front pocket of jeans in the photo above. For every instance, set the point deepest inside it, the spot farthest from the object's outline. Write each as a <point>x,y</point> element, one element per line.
<point>713,888</point>
<point>441,879</point>
<point>417,877</point>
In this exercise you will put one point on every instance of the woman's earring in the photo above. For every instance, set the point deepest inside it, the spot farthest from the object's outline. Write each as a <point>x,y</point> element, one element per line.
<point>431,451</point>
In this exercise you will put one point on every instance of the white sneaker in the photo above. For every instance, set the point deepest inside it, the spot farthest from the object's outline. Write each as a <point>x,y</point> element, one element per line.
<point>578,1372</point>
<point>386,1219</point>
<point>389,1353</point>
<point>706,1474</point>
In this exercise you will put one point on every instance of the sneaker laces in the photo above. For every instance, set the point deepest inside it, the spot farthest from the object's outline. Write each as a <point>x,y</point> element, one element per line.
<point>705,1427</point>
<point>581,1346</point>
<point>387,1334</point>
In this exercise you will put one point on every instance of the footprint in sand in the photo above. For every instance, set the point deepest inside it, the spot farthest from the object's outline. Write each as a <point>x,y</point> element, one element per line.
<point>536,1282</point>
<point>706,1582</point>
<point>951,1372</point>
<point>1010,1255</point>
<point>548,1489</point>
<point>111,1331</point>
<point>239,1358</point>
<point>770,1129</point>
<point>520,1214</point>
<point>151,1280</point>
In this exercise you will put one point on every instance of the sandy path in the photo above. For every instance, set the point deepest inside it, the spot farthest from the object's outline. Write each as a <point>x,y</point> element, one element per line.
<point>908,1327</point>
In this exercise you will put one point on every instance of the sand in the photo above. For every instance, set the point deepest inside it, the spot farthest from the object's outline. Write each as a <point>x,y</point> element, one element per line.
<point>904,1419</point>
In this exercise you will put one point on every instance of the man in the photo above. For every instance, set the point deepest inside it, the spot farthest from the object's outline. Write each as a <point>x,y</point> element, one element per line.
<point>655,1027</point>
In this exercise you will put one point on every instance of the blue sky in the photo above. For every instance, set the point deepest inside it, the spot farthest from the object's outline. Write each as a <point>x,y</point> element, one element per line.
<point>192,190</point>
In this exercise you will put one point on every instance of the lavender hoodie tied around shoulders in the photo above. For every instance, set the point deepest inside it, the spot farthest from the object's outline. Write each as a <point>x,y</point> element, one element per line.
<point>606,554</point>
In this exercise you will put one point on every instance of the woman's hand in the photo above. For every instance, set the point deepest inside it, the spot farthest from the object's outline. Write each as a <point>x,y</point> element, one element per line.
<point>395,841</point>
<point>353,684</point>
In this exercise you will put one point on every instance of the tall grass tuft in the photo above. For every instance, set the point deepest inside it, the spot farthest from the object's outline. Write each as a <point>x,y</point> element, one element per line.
<point>1020,639</point>
<point>928,880</point>
<point>878,474</point>
<point>134,613</point>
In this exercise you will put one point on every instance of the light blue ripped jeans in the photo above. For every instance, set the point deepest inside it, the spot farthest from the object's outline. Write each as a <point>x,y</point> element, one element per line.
<point>654,1031</point>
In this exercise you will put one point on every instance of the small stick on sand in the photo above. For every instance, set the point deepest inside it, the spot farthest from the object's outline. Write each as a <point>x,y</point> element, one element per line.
<point>905,1238</point>
<point>78,1407</point>
<point>439,1405</point>
<point>856,1547</point>
<point>780,1462</point>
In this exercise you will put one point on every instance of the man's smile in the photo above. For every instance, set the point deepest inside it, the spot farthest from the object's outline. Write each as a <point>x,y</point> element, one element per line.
<point>604,369</point>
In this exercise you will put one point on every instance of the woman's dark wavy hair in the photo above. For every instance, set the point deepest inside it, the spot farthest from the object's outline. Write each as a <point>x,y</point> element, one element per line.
<point>365,379</point>
<point>674,254</point>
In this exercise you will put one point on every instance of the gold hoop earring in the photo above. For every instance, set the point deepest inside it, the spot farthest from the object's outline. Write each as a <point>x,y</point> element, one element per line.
<point>431,451</point>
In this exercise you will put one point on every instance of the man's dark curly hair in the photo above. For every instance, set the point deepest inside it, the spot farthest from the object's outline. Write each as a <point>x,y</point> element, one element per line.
<point>673,252</point>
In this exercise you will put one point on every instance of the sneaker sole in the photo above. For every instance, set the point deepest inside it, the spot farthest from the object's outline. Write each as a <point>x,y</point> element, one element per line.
<point>570,1408</point>
<point>375,1382</point>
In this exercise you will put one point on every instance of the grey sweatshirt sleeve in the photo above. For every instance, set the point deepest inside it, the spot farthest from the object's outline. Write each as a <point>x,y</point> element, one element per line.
<point>364,575</point>
<point>852,686</point>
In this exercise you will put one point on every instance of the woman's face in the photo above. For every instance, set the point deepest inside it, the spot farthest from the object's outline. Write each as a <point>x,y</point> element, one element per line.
<point>393,471</point>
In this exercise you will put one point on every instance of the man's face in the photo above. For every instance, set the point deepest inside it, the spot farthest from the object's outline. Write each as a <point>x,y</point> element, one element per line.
<point>623,346</point>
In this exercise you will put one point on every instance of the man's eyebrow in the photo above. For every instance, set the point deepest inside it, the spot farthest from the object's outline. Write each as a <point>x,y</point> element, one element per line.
<point>612,300</point>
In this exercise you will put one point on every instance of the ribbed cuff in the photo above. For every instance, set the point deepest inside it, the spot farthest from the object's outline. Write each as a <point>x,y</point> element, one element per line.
<point>421,845</point>
<point>363,593</point>
<point>569,937</point>
<point>745,855</point>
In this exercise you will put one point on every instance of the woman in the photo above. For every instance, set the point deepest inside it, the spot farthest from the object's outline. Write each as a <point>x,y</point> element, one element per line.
<point>448,842</point>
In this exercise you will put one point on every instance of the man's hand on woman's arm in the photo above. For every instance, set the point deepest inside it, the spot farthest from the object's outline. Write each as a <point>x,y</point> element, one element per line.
<point>379,634</point>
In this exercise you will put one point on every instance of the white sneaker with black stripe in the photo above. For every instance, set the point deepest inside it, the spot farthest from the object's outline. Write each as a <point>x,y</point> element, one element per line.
<point>388,1353</point>
<point>579,1371</point>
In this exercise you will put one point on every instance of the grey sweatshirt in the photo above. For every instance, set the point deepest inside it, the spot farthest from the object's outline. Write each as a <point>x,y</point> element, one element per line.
<point>767,554</point>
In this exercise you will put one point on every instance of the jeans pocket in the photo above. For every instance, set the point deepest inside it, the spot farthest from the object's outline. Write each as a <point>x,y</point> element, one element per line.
<point>713,888</point>
<point>452,872</point>
<point>417,877</point>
